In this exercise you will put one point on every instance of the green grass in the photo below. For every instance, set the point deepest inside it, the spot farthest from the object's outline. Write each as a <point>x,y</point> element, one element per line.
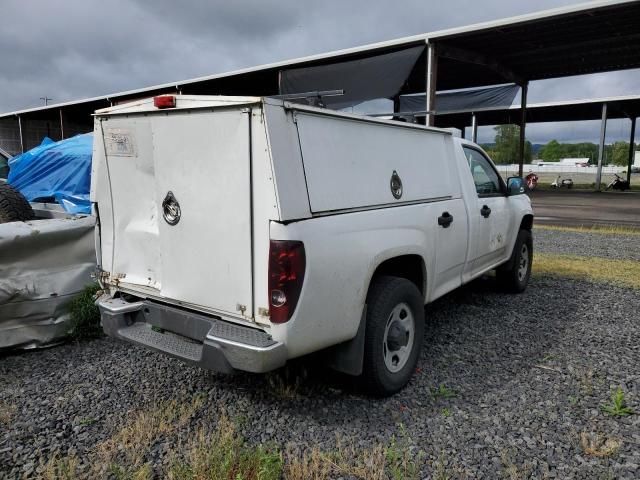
<point>220,452</point>
<point>84,321</point>
<point>400,461</point>
<point>442,392</point>
<point>61,468</point>
<point>618,406</point>
<point>224,455</point>
<point>625,273</point>
<point>602,229</point>
<point>87,421</point>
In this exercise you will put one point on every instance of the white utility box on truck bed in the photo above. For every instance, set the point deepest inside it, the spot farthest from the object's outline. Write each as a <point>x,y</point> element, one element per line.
<point>240,232</point>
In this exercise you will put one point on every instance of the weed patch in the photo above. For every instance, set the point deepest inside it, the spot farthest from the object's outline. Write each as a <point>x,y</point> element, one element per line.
<point>514,471</point>
<point>61,468</point>
<point>396,461</point>
<point>597,445</point>
<point>84,321</point>
<point>286,382</point>
<point>618,406</point>
<point>125,450</point>
<point>224,455</point>
<point>7,411</point>
<point>443,392</point>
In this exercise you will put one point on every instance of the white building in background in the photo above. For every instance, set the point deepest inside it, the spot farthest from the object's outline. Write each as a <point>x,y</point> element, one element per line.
<point>573,162</point>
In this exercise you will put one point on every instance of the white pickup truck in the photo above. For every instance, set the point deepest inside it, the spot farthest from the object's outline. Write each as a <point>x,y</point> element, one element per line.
<point>240,232</point>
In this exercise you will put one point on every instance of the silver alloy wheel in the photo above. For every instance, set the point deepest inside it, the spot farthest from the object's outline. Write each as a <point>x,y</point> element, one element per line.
<point>397,342</point>
<point>523,266</point>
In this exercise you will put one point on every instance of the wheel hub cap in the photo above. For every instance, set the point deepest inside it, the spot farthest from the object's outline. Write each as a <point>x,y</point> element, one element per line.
<point>398,337</point>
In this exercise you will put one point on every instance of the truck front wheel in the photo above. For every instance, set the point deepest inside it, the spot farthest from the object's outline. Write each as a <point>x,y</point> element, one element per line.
<point>514,275</point>
<point>394,334</point>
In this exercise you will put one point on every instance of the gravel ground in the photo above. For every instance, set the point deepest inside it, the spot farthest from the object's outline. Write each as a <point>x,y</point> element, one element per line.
<point>588,244</point>
<point>530,373</point>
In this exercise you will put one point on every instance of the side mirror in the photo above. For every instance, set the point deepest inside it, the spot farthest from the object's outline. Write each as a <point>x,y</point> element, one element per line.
<point>515,186</point>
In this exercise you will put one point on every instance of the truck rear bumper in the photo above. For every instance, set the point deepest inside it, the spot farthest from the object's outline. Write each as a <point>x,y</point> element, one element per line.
<point>208,342</point>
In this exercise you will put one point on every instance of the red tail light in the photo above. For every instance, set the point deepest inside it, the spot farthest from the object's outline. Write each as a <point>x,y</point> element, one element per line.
<point>286,274</point>
<point>164,101</point>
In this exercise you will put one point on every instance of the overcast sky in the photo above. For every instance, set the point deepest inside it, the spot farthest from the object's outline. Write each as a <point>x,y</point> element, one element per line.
<point>73,49</point>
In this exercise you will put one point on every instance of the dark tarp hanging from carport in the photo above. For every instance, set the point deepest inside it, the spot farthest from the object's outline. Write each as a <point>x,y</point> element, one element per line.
<point>464,100</point>
<point>371,78</point>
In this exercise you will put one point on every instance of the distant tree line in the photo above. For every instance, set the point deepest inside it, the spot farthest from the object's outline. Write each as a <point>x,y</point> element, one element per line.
<point>616,153</point>
<point>505,149</point>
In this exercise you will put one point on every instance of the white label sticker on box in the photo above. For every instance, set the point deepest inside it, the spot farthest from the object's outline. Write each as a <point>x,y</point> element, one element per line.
<point>120,142</point>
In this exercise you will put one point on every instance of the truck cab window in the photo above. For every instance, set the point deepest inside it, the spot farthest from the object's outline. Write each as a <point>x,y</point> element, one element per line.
<point>485,177</point>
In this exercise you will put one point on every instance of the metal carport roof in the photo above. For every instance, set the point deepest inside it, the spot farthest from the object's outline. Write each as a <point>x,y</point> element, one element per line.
<point>576,110</point>
<point>585,38</point>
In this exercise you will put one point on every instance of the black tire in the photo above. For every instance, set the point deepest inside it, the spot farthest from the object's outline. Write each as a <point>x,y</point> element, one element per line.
<point>13,206</point>
<point>510,276</point>
<point>385,295</point>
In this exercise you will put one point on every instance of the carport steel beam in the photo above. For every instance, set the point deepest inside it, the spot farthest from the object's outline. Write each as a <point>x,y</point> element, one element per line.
<point>523,125</point>
<point>632,149</point>
<point>603,134</point>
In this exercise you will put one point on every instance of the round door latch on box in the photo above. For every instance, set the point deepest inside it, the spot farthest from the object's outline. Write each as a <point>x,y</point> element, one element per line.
<point>171,209</point>
<point>396,185</point>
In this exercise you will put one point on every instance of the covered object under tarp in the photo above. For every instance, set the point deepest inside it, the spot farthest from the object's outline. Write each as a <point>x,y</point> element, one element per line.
<point>43,265</point>
<point>56,171</point>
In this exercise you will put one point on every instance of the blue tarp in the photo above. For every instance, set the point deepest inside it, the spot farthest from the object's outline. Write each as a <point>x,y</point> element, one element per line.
<point>56,170</point>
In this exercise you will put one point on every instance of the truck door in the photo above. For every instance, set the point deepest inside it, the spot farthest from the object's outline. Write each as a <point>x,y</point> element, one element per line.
<point>488,213</point>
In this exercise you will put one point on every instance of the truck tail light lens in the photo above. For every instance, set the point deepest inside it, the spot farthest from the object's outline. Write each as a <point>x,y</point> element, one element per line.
<point>164,101</point>
<point>286,273</point>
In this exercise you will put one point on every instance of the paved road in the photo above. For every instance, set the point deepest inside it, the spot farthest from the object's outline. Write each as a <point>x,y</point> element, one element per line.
<point>569,207</point>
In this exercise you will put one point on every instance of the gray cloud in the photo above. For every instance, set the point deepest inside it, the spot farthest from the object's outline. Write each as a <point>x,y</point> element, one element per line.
<point>81,48</point>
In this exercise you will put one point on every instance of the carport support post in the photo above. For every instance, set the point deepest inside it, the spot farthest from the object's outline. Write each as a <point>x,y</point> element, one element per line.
<point>523,126</point>
<point>603,134</point>
<point>474,128</point>
<point>21,137</point>
<point>432,75</point>
<point>632,149</point>
<point>61,126</point>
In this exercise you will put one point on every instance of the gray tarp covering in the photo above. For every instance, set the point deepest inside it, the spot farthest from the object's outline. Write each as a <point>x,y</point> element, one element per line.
<point>43,265</point>
<point>462,101</point>
<point>376,77</point>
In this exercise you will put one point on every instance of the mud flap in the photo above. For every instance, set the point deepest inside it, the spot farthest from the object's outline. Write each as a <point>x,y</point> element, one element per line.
<point>347,357</point>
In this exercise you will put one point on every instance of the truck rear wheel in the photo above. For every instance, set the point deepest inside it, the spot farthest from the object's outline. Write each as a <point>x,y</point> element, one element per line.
<point>394,334</point>
<point>514,275</point>
<point>13,206</point>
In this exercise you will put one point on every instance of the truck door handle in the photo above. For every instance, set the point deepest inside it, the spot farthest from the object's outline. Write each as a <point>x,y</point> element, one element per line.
<point>485,211</point>
<point>445,219</point>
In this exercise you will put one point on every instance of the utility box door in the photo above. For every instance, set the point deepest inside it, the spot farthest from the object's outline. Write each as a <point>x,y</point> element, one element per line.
<point>350,163</point>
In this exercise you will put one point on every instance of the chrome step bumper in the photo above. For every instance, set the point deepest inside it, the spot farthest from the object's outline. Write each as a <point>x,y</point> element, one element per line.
<point>208,342</point>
